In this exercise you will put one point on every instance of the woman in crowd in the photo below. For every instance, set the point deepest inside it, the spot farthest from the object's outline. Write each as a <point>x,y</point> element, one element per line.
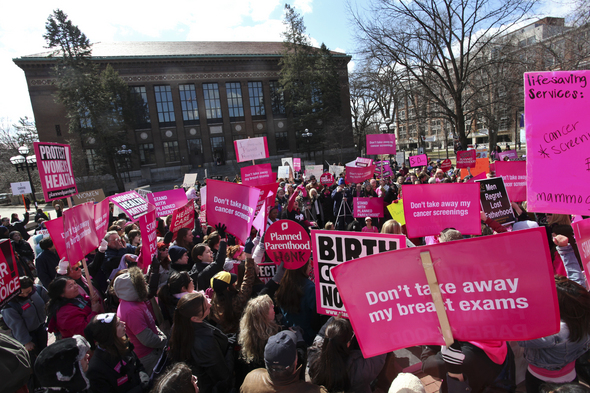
<point>179,379</point>
<point>164,268</point>
<point>369,226</point>
<point>207,265</point>
<point>178,259</point>
<point>212,240</point>
<point>178,285</point>
<point>235,255</point>
<point>134,237</point>
<point>25,254</point>
<point>184,239</point>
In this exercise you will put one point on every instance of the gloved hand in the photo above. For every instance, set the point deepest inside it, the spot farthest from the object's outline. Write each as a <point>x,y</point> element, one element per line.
<point>279,273</point>
<point>220,228</point>
<point>453,358</point>
<point>103,246</point>
<point>144,378</point>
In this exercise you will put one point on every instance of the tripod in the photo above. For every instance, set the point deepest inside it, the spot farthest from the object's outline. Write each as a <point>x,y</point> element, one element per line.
<point>344,216</point>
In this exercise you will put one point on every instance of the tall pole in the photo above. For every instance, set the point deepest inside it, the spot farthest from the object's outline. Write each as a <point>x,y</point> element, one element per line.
<point>31,182</point>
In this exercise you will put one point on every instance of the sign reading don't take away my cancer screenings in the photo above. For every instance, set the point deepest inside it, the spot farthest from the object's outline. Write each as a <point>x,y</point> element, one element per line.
<point>54,162</point>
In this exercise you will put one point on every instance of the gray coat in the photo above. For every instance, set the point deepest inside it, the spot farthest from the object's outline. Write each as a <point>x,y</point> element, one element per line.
<point>23,315</point>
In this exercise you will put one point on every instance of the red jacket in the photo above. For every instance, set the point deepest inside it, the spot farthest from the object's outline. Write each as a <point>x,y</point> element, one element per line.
<point>71,318</point>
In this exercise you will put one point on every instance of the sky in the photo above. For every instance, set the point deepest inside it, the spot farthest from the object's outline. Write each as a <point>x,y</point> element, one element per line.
<point>22,27</point>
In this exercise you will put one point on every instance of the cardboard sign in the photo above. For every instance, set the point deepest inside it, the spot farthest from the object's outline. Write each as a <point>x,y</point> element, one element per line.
<point>133,205</point>
<point>381,144</point>
<point>446,165</point>
<point>582,235</point>
<point>101,218</point>
<point>166,202</point>
<point>508,294</point>
<point>296,164</point>
<point>514,175</point>
<point>495,202</point>
<point>481,165</point>
<point>336,170</point>
<point>397,211</point>
<point>20,188</point>
<point>511,154</point>
<point>419,160</point>
<point>431,208</point>
<point>183,217</point>
<point>79,232</point>
<point>189,180</point>
<point>251,149</point>
<point>557,141</point>
<point>466,159</point>
<point>327,179</point>
<point>203,193</point>
<point>288,162</point>
<point>314,170</point>
<point>358,175</point>
<point>254,175</point>
<point>287,241</point>
<point>367,207</point>
<point>56,232</point>
<point>9,278</point>
<point>93,196</point>
<point>331,248</point>
<point>54,162</point>
<point>149,238</point>
<point>266,200</point>
<point>232,204</point>
<point>283,172</point>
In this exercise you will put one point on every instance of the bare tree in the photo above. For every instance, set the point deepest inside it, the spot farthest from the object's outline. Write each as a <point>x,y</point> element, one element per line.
<point>363,107</point>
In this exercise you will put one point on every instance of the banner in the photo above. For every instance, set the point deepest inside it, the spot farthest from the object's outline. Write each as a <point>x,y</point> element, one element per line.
<point>101,219</point>
<point>358,175</point>
<point>54,162</point>
<point>582,236</point>
<point>331,248</point>
<point>251,149</point>
<point>396,209</point>
<point>511,154</point>
<point>367,207</point>
<point>419,160</point>
<point>380,143</point>
<point>233,205</point>
<point>495,202</point>
<point>20,188</point>
<point>314,170</point>
<point>482,165</point>
<point>431,208</point>
<point>189,180</point>
<point>166,202</point>
<point>56,232</point>
<point>327,179</point>
<point>149,238</point>
<point>361,162</point>
<point>93,196</point>
<point>287,241</point>
<point>133,205</point>
<point>466,159</point>
<point>296,164</point>
<point>508,294</point>
<point>183,217</point>
<point>254,175</point>
<point>79,232</point>
<point>557,141</point>
<point>514,175</point>
<point>9,278</point>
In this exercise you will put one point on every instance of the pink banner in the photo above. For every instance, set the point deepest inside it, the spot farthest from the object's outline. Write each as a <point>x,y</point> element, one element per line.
<point>101,218</point>
<point>233,205</point>
<point>296,164</point>
<point>183,217</point>
<point>56,232</point>
<point>557,141</point>
<point>582,235</point>
<point>251,149</point>
<point>357,175</point>
<point>419,160</point>
<point>367,207</point>
<point>54,162</point>
<point>259,221</point>
<point>166,202</point>
<point>431,208</point>
<point>381,144</point>
<point>149,238</point>
<point>466,159</point>
<point>511,154</point>
<point>9,278</point>
<point>514,175</point>
<point>480,176</point>
<point>254,175</point>
<point>79,232</point>
<point>327,179</point>
<point>382,168</point>
<point>132,204</point>
<point>508,295</point>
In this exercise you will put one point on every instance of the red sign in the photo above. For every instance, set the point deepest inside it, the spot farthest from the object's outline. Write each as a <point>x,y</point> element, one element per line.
<point>286,241</point>
<point>582,235</point>
<point>359,174</point>
<point>79,231</point>
<point>56,232</point>
<point>327,179</point>
<point>149,239</point>
<point>381,144</point>
<point>419,160</point>
<point>54,162</point>
<point>9,279</point>
<point>367,207</point>
<point>446,165</point>
<point>101,218</point>
<point>183,217</point>
<point>508,294</point>
<point>514,175</point>
<point>466,159</point>
<point>254,175</point>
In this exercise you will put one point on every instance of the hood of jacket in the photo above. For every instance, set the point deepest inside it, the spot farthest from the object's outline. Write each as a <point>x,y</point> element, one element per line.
<point>131,286</point>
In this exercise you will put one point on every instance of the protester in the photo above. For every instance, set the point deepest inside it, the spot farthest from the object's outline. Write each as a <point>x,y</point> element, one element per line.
<point>178,285</point>
<point>15,365</point>
<point>206,265</point>
<point>62,366</point>
<point>369,226</point>
<point>179,379</point>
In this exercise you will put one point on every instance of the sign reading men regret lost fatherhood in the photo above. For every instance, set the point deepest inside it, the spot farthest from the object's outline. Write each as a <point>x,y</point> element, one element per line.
<point>558,141</point>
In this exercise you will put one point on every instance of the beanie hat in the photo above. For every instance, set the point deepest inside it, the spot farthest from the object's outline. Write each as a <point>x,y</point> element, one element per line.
<point>176,252</point>
<point>62,267</point>
<point>406,383</point>
<point>281,350</point>
<point>238,253</point>
<point>222,280</point>
<point>58,365</point>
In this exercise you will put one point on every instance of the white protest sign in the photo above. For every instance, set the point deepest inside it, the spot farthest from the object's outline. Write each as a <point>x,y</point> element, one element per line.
<point>23,187</point>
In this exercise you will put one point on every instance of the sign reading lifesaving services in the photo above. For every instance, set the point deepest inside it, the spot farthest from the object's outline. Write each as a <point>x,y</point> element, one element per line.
<point>54,162</point>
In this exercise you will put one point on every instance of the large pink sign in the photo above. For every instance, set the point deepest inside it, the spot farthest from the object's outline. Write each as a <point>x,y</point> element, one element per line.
<point>431,208</point>
<point>149,239</point>
<point>56,232</point>
<point>131,203</point>
<point>511,154</point>
<point>233,205</point>
<point>466,158</point>
<point>381,144</point>
<point>101,218</point>
<point>79,231</point>
<point>582,235</point>
<point>357,175</point>
<point>254,175</point>
<point>367,207</point>
<point>251,149</point>
<point>183,217</point>
<point>508,294</point>
<point>418,160</point>
<point>514,175</point>
<point>54,162</point>
<point>266,200</point>
<point>166,202</point>
<point>557,141</point>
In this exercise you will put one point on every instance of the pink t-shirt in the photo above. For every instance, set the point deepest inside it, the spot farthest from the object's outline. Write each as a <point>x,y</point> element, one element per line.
<point>137,317</point>
<point>373,229</point>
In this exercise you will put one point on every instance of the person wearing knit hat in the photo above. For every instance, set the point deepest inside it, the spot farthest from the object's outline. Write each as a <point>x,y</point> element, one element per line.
<point>178,258</point>
<point>235,255</point>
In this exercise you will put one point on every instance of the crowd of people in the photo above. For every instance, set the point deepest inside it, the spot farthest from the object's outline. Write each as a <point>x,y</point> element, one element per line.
<point>202,319</point>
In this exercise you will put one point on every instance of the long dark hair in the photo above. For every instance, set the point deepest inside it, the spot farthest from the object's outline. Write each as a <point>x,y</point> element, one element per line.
<point>222,306</point>
<point>176,282</point>
<point>177,380</point>
<point>212,239</point>
<point>182,232</point>
<point>182,336</point>
<point>55,292</point>
<point>574,307</point>
<point>105,334</point>
<point>198,250</point>
<point>329,368</point>
<point>290,291</point>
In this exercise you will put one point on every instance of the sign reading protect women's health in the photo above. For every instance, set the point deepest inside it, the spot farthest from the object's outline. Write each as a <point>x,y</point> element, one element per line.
<point>54,162</point>
<point>558,141</point>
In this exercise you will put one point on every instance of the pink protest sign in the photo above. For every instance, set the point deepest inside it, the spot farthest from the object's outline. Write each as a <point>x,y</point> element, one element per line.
<point>557,141</point>
<point>56,232</point>
<point>582,235</point>
<point>132,204</point>
<point>508,294</point>
<point>327,179</point>
<point>266,200</point>
<point>287,241</point>
<point>296,164</point>
<point>514,175</point>
<point>382,168</point>
<point>466,158</point>
<point>9,278</point>
<point>381,144</point>
<point>331,248</point>
<point>149,239</point>
<point>511,154</point>
<point>480,176</point>
<point>367,207</point>
<point>183,217</point>
<point>101,218</point>
<point>254,175</point>
<point>251,149</point>
<point>233,205</point>
<point>357,175</point>
<point>362,162</point>
<point>431,208</point>
<point>54,162</point>
<point>166,202</point>
<point>79,232</point>
<point>419,160</point>
<point>259,220</point>
<point>446,165</point>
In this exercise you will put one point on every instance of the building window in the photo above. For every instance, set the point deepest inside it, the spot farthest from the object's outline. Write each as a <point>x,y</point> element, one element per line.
<point>91,160</point>
<point>256,98</point>
<point>212,102</point>
<point>85,122</point>
<point>217,142</point>
<point>234,100</point>
<point>259,135</point>
<point>277,100</point>
<point>195,146</point>
<point>142,112</point>
<point>58,129</point>
<point>171,152</point>
<point>282,139</point>
<point>238,137</point>
<point>188,104</point>
<point>164,105</point>
<point>147,154</point>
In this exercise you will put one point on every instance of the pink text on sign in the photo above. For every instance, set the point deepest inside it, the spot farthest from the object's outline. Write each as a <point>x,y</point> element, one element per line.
<point>251,149</point>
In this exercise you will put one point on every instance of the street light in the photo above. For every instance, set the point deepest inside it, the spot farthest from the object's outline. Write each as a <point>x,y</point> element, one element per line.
<point>125,153</point>
<point>21,162</point>
<point>307,135</point>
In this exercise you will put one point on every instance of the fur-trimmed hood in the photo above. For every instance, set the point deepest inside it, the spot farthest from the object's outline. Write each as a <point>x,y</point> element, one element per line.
<point>131,286</point>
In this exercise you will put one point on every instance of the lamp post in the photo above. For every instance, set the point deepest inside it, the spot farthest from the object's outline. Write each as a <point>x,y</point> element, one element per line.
<point>307,135</point>
<point>126,153</point>
<point>22,162</point>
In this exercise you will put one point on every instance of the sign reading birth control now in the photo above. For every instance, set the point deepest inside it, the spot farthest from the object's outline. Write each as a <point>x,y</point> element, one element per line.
<point>54,162</point>
<point>287,241</point>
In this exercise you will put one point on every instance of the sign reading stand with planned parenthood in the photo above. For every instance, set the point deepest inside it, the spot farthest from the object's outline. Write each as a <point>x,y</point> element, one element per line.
<point>54,162</point>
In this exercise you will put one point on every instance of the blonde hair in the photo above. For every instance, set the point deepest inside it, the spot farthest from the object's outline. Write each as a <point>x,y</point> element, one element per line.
<point>255,328</point>
<point>391,226</point>
<point>559,219</point>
